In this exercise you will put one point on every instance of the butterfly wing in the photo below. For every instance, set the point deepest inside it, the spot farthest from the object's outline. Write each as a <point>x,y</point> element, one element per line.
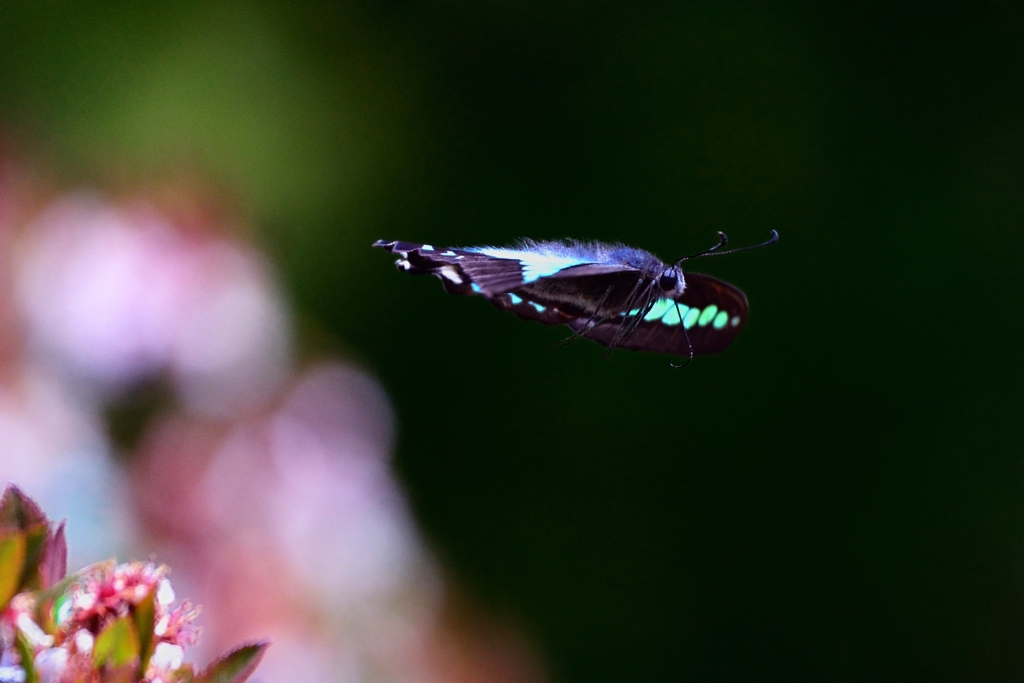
<point>710,314</point>
<point>461,271</point>
<point>551,289</point>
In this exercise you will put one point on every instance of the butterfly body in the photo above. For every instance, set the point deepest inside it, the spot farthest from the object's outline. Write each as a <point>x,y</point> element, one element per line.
<point>617,295</point>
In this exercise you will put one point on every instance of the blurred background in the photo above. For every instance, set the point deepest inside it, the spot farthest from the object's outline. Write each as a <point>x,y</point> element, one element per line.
<point>203,361</point>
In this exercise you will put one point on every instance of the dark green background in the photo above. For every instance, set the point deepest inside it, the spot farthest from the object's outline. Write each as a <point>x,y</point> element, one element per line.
<point>840,496</point>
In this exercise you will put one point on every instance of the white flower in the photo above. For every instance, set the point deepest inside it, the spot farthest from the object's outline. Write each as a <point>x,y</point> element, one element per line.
<point>164,593</point>
<point>50,664</point>
<point>31,630</point>
<point>83,641</point>
<point>167,656</point>
<point>12,674</point>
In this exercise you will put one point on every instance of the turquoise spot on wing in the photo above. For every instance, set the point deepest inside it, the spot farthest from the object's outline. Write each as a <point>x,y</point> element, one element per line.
<point>672,317</point>
<point>661,306</point>
<point>708,315</point>
<point>427,247</point>
<point>540,309</point>
<point>515,299</point>
<point>720,320</point>
<point>690,319</point>
<point>476,288</point>
<point>735,321</point>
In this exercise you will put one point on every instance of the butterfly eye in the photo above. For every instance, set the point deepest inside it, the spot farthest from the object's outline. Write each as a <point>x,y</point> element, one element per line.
<point>668,280</point>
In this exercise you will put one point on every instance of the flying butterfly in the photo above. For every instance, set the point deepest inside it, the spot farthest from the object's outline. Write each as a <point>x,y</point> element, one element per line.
<point>619,296</point>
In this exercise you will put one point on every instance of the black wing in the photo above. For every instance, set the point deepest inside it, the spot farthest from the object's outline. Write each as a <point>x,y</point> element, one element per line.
<point>561,296</point>
<point>458,269</point>
<point>709,316</point>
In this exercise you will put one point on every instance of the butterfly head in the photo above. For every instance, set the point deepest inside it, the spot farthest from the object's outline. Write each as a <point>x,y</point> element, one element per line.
<point>671,280</point>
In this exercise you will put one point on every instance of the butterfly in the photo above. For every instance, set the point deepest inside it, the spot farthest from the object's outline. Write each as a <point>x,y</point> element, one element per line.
<point>619,296</point>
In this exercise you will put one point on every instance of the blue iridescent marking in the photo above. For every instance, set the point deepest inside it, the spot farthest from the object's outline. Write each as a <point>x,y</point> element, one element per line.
<point>516,300</point>
<point>661,306</point>
<point>720,320</point>
<point>535,266</point>
<point>672,317</point>
<point>690,319</point>
<point>447,253</point>
<point>540,309</point>
<point>708,315</point>
<point>476,288</point>
<point>427,247</point>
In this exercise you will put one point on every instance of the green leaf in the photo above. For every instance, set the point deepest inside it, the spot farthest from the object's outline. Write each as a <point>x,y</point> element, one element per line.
<point>12,564</point>
<point>117,644</point>
<point>18,511</point>
<point>145,620</point>
<point>36,536</point>
<point>25,654</point>
<point>234,667</point>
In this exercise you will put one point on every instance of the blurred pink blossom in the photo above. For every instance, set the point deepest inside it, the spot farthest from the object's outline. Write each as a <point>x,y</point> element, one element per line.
<point>115,293</point>
<point>269,489</point>
<point>300,508</point>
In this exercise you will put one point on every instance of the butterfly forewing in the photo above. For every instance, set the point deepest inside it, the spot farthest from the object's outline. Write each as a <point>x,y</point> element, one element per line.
<point>454,267</point>
<point>550,290</point>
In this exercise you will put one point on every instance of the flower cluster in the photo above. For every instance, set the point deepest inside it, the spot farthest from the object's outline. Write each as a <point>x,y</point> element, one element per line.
<point>105,624</point>
<point>106,603</point>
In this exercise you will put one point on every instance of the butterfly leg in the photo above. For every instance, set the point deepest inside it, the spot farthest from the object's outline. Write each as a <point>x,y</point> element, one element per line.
<point>629,324</point>
<point>686,335</point>
<point>591,323</point>
<point>629,306</point>
<point>582,333</point>
<point>652,298</point>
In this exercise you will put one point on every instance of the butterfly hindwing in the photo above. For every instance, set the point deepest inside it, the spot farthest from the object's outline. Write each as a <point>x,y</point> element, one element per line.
<point>714,331</point>
<point>531,309</point>
<point>710,312</point>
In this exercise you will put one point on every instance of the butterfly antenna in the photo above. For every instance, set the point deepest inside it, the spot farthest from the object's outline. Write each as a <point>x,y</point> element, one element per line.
<point>686,335</point>
<point>723,240</point>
